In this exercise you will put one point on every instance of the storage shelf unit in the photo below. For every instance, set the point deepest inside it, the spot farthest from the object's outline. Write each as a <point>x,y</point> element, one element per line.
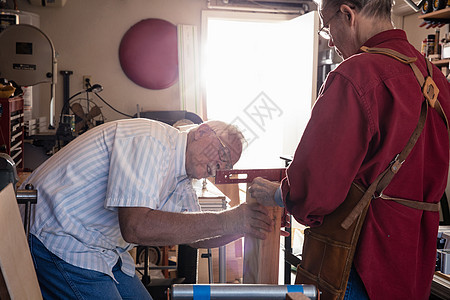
<point>441,62</point>
<point>12,129</point>
<point>443,15</point>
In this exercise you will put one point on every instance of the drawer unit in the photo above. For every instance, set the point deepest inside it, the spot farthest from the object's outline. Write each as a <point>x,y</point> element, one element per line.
<point>12,129</point>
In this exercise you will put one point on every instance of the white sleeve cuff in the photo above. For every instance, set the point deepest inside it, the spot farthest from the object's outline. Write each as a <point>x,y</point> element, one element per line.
<point>278,198</point>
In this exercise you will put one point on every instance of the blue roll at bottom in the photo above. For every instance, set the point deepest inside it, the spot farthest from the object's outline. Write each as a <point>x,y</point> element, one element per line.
<point>239,291</point>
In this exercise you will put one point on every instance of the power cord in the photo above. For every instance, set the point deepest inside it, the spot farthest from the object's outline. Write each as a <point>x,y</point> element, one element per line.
<point>104,101</point>
<point>112,107</point>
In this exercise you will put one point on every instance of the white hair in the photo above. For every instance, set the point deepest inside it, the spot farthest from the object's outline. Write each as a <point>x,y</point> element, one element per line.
<point>230,134</point>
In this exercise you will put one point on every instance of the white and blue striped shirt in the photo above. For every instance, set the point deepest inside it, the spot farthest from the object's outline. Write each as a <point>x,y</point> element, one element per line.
<point>133,163</point>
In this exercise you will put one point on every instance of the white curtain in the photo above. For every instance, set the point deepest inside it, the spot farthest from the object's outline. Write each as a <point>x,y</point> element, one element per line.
<point>188,69</point>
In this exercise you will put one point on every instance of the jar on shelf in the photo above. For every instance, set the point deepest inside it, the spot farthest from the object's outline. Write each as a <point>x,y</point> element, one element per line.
<point>430,44</point>
<point>423,47</point>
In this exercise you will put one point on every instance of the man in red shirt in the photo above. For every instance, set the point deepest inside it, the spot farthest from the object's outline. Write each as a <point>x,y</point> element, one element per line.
<point>365,113</point>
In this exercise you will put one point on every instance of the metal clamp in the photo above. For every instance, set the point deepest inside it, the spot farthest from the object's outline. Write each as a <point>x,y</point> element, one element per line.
<point>396,164</point>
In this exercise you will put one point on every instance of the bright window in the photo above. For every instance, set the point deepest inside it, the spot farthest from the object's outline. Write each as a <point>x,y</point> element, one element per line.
<point>260,74</point>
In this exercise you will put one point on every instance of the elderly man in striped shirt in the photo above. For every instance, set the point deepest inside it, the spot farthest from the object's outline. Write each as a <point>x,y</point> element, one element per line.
<point>123,183</point>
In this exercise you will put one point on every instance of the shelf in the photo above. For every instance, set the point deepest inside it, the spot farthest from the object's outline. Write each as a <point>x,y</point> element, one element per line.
<point>440,14</point>
<point>440,287</point>
<point>441,62</point>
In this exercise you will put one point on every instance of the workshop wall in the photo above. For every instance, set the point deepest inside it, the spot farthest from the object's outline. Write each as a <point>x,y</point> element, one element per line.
<point>86,35</point>
<point>416,34</point>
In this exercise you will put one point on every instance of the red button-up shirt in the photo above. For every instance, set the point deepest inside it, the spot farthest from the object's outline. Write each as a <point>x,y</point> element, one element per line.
<point>364,115</point>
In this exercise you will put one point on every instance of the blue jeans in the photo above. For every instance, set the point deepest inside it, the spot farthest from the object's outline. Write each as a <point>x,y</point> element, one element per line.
<point>355,287</point>
<point>60,280</point>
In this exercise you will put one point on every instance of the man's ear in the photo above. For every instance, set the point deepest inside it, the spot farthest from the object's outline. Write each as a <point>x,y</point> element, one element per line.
<point>202,130</point>
<point>349,14</point>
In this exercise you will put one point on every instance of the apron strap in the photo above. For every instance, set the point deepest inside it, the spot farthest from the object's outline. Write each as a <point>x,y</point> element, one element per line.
<point>414,204</point>
<point>430,92</point>
<point>429,88</point>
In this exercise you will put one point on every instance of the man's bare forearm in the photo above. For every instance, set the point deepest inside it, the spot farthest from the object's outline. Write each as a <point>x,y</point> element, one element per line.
<point>158,228</point>
<point>144,226</point>
<point>216,241</point>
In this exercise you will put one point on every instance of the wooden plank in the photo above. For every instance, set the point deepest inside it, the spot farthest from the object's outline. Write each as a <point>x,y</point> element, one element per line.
<point>296,296</point>
<point>16,264</point>
<point>261,257</point>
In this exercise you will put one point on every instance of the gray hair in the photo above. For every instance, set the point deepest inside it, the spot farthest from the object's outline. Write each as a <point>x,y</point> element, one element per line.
<point>231,134</point>
<point>370,8</point>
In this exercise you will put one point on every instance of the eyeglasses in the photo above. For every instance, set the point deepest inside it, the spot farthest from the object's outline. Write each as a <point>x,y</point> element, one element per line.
<point>324,31</point>
<point>224,153</point>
